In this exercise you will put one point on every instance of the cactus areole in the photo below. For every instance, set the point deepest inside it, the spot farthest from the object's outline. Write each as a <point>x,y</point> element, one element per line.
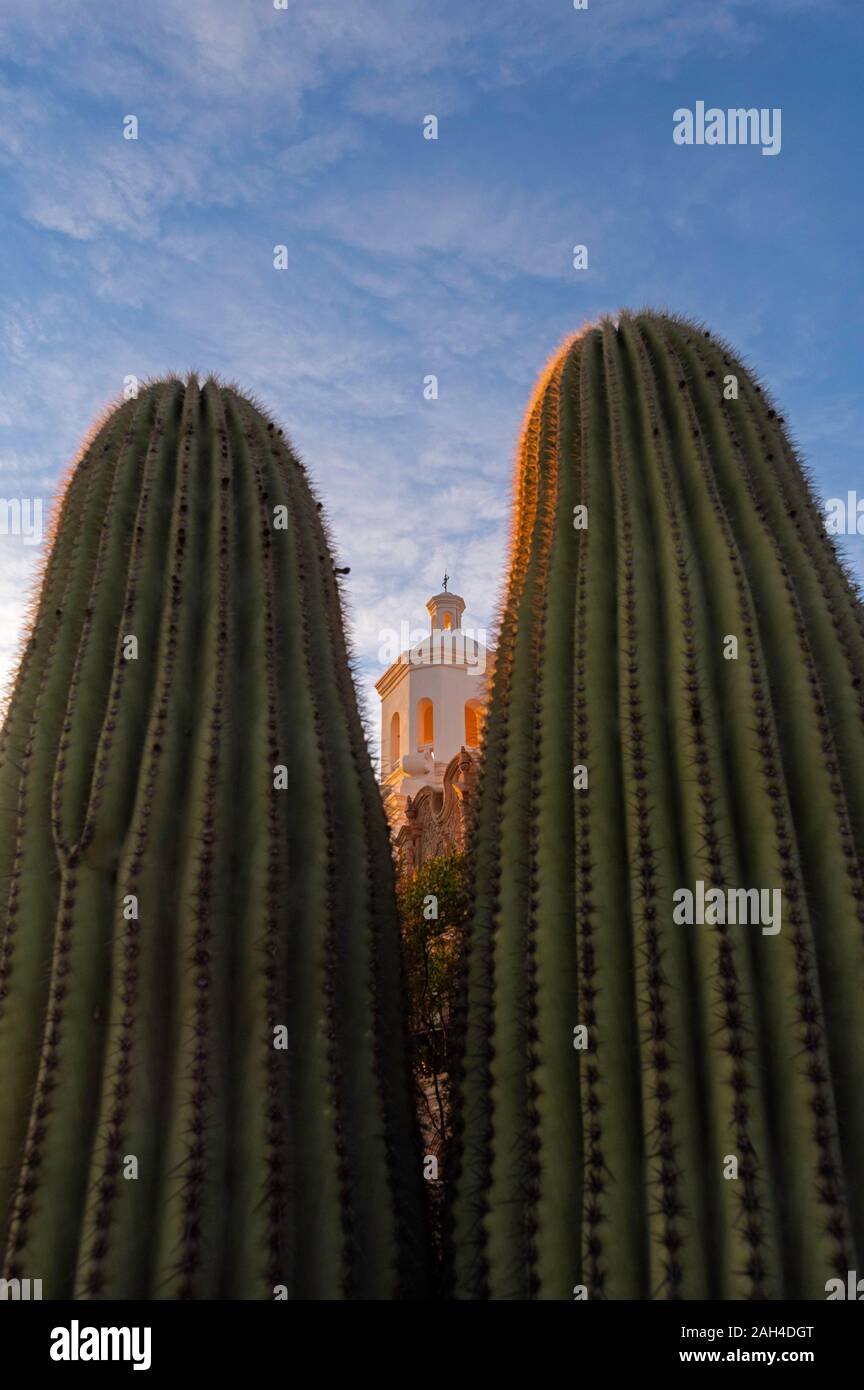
<point>203,1079</point>
<point>659,1097</point>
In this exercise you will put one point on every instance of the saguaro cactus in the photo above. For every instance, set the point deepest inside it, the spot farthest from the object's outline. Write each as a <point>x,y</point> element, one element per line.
<point>203,1083</point>
<point>677,700</point>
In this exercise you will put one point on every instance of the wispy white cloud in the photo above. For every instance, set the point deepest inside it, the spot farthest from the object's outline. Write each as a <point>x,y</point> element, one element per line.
<point>218,77</point>
<point>498,230</point>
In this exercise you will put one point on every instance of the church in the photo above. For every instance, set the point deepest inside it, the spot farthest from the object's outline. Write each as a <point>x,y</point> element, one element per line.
<point>433,698</point>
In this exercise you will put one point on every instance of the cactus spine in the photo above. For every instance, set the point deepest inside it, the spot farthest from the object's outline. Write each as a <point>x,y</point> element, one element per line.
<point>169,906</point>
<point>604,1167</point>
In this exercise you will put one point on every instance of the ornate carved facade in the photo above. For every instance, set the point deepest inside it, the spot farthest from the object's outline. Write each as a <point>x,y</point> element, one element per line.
<point>436,818</point>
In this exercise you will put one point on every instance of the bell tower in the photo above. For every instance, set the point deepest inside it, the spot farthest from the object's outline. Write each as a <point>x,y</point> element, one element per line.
<point>445,610</point>
<point>432,702</point>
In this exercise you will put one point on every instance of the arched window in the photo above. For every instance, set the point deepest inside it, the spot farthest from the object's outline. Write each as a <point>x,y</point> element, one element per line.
<point>425,723</point>
<point>448,621</point>
<point>394,741</point>
<point>473,723</point>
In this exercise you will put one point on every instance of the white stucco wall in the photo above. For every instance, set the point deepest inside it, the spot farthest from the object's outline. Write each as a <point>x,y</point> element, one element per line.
<point>425,673</point>
<point>448,667</point>
<point>449,688</point>
<point>396,702</point>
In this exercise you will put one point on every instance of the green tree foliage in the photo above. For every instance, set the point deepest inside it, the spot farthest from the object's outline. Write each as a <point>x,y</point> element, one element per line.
<point>433,908</point>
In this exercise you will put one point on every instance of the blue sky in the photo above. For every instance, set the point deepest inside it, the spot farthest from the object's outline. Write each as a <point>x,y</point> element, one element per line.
<point>406,256</point>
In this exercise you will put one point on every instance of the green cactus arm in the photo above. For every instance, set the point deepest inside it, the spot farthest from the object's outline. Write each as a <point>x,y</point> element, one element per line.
<point>512,1172</point>
<point>747,1266</point>
<point>34,877</point>
<point>707,1042</point>
<point>153,1034</point>
<point>191,1229</point>
<point>677,1168</point>
<point>614,1248</point>
<point>97,662</point>
<point>829,870</point>
<point>554,1077</point>
<point>114,1252</point>
<point>111,689</point>
<point>472,1155</point>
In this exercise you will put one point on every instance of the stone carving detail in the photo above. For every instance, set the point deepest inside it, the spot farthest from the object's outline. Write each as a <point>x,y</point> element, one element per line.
<point>436,819</point>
